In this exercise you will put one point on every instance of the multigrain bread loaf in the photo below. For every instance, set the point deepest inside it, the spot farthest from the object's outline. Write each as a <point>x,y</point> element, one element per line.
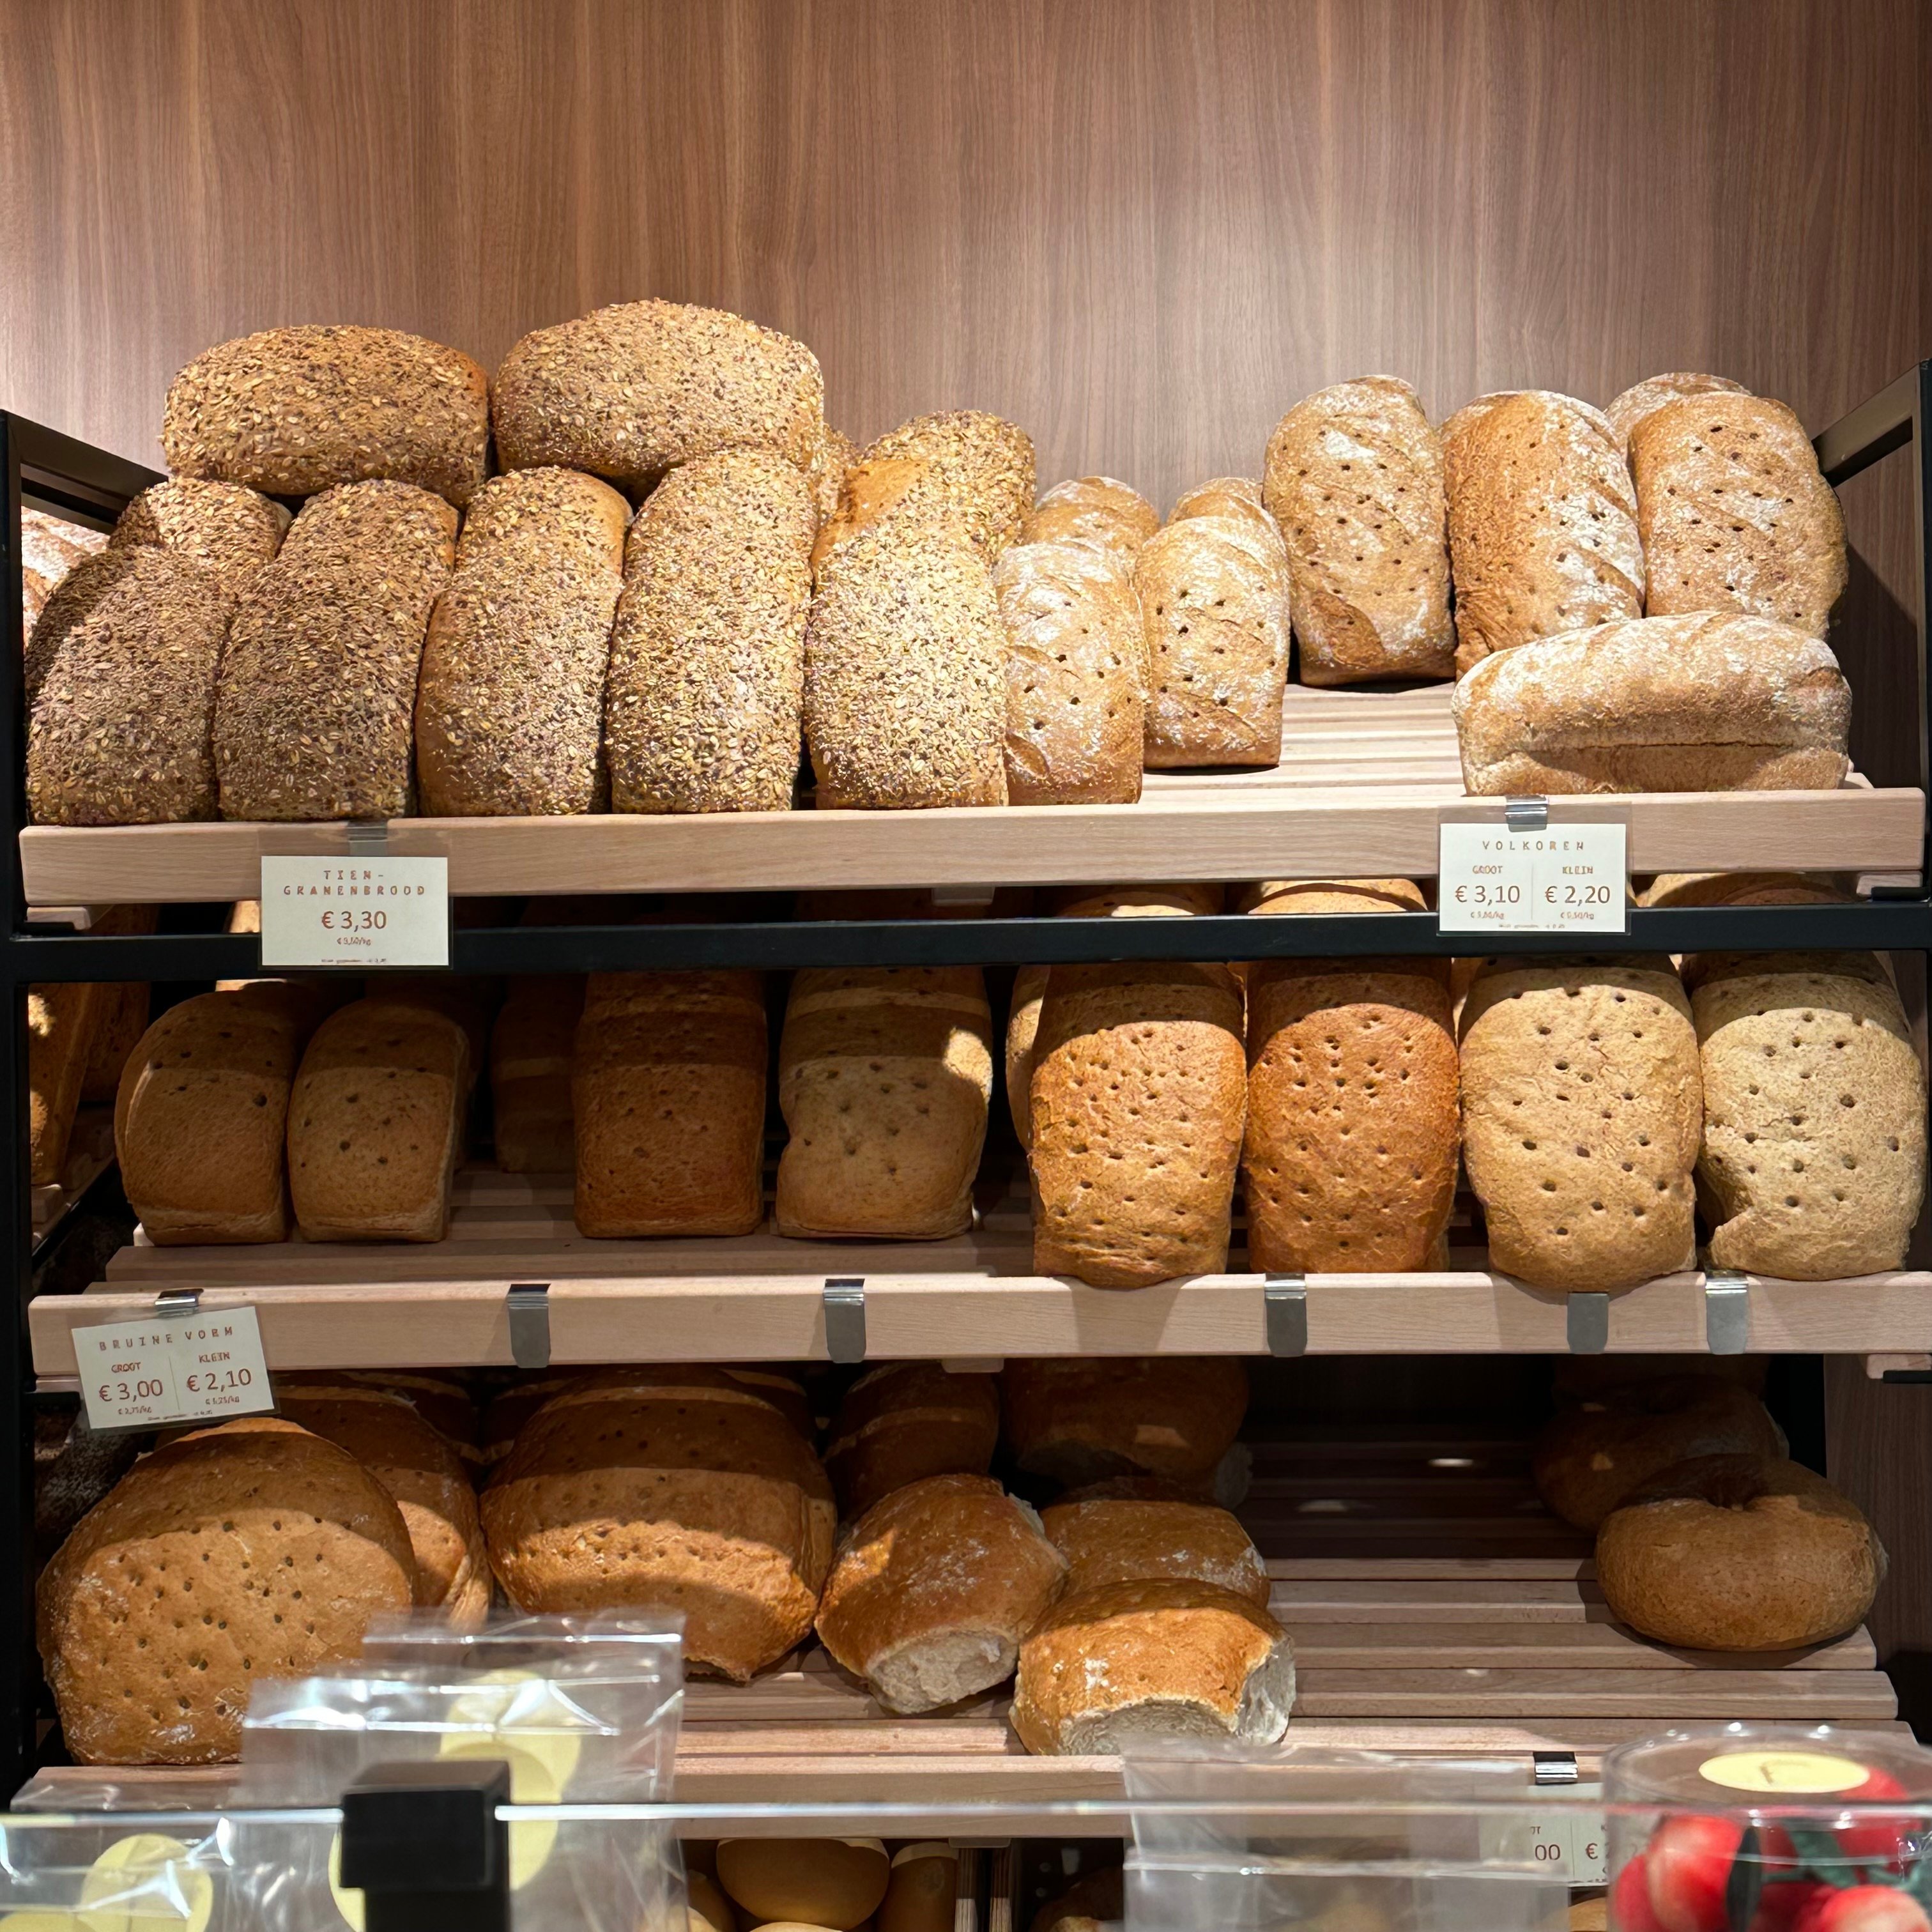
<point>315,702</point>
<point>292,412</point>
<point>1715,701</point>
<point>225,527</point>
<point>1114,1533</point>
<point>1237,496</point>
<point>1354,477</point>
<point>250,1551</point>
<point>933,1589</point>
<point>668,1091</point>
<point>1100,511</point>
<point>61,1022</point>
<point>1735,514</point>
<point>904,1421</point>
<point>1543,531</point>
<point>1076,1421</point>
<point>1582,1116</point>
<point>981,466</point>
<point>836,454</point>
<point>510,704</point>
<point>532,1048</point>
<point>885,1074</point>
<point>1630,408</point>
<point>707,659</point>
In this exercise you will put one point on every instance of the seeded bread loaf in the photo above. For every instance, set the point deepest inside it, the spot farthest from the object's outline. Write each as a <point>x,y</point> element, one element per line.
<point>1237,496</point>
<point>293,412</point>
<point>1100,511</point>
<point>225,527</point>
<point>981,466</point>
<point>1354,477</point>
<point>904,1421</point>
<point>532,1048</point>
<point>835,454</point>
<point>1638,401</point>
<point>61,1022</point>
<point>1114,1533</point>
<point>707,659</point>
<point>1076,1421</point>
<point>315,702</point>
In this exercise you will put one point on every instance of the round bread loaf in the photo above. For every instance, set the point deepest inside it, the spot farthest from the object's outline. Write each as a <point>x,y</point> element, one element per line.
<point>225,527</point>
<point>933,1589</point>
<point>903,1421</point>
<point>834,1882</point>
<point>1077,1421</point>
<point>1099,510</point>
<point>1112,1533</point>
<point>1630,408</point>
<point>1740,1553</point>
<point>252,1550</point>
<point>1237,496</point>
<point>1097,1900</point>
<point>981,464</point>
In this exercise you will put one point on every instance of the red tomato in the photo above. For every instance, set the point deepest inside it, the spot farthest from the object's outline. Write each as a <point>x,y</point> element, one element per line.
<point>1879,1841</point>
<point>1780,1905</point>
<point>1688,1864</point>
<point>1630,1901</point>
<point>1864,1908</point>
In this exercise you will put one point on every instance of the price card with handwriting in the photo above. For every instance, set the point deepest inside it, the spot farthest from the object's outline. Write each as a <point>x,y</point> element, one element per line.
<point>1565,878</point>
<point>153,1370</point>
<point>356,913</point>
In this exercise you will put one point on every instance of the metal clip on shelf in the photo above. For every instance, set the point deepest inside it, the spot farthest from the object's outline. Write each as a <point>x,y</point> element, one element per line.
<point>177,1301</point>
<point>425,1846</point>
<point>844,1303</point>
<point>1587,1317</point>
<point>528,1305</point>
<point>1556,1767</point>
<point>1726,1311</point>
<point>1285,1314</point>
<point>1530,814</point>
<point>368,838</point>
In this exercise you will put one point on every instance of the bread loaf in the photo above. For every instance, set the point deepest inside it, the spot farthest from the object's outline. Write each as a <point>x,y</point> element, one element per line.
<point>934,1588</point>
<point>1276,897</point>
<point>1465,419</point>
<point>1543,531</point>
<point>628,392</point>
<point>1076,1422</point>
<point>1735,514</point>
<point>441,1396</point>
<point>61,1023</point>
<point>1237,496</point>
<point>1030,985</point>
<point>1111,1533</point>
<point>250,1551</point>
<point>225,527</point>
<point>1714,702</point>
<point>510,706</point>
<point>123,1020</point>
<point>1099,510</point>
<point>981,466</point>
<point>315,701</point>
<point>1354,478</point>
<point>668,1089</point>
<point>924,1893</point>
<point>835,454</point>
<point>1581,1114</point>
<point>1090,1905</point>
<point>1704,889</point>
<point>885,1074</point>
<point>904,1421</point>
<point>707,660</point>
<point>532,1050</point>
<point>293,412</point>
<point>831,1885</point>
<point>1638,401</point>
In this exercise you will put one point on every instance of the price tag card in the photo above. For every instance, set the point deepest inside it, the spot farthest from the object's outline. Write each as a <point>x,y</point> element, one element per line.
<point>1565,878</point>
<point>1569,1843</point>
<point>356,913</point>
<point>152,1370</point>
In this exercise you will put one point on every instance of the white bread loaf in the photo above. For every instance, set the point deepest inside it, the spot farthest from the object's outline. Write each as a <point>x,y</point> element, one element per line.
<point>1076,1421</point>
<point>1099,510</point>
<point>1117,1532</point>
<point>225,527</point>
<point>903,1421</point>
<point>1629,408</point>
<point>532,1048</point>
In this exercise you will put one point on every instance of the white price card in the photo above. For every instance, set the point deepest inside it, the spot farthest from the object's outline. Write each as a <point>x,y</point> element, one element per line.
<point>151,1370</point>
<point>1564,878</point>
<point>1569,1842</point>
<point>356,913</point>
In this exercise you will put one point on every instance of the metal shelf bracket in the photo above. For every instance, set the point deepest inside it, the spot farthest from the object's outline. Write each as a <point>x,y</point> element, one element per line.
<point>177,1302</point>
<point>843,1298</point>
<point>1285,1314</point>
<point>528,1306</point>
<point>1726,1311</point>
<point>1588,1318</point>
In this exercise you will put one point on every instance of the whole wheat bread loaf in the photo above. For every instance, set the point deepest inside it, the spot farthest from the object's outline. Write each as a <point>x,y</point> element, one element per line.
<point>1100,511</point>
<point>1630,408</point>
<point>533,1047</point>
<point>225,527</point>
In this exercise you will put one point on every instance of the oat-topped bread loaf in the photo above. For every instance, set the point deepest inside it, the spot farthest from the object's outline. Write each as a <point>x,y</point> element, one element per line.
<point>510,704</point>
<point>1734,513</point>
<point>836,454</point>
<point>293,412</point>
<point>933,1589</point>
<point>668,1091</point>
<point>1543,531</point>
<point>1355,479</point>
<point>1714,701</point>
<point>903,1421</point>
<point>707,660</point>
<point>315,702</point>
<point>980,465</point>
<point>1135,1528</point>
<point>120,684</point>
<point>225,527</point>
<point>1100,511</point>
<point>885,1074</point>
<point>532,1048</point>
<point>1237,496</point>
<point>1636,402</point>
<point>250,1551</point>
<point>1077,1421</point>
<point>1814,1160</point>
<point>1582,1115</point>
<point>62,1020</point>
<point>628,391</point>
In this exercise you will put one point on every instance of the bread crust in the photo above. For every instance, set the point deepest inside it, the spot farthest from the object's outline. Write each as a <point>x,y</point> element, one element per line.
<point>1121,1539</point>
<point>835,454</point>
<point>62,1020</point>
<point>1099,510</point>
<point>906,1420</point>
<point>533,1047</point>
<point>225,527</point>
<point>1627,410</point>
<point>1076,1421</point>
<point>1237,496</point>
<point>982,466</point>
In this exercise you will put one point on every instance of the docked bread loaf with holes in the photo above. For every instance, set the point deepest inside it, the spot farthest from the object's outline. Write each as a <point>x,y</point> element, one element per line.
<point>375,1120</point>
<point>1076,1421</point>
<point>980,465</point>
<point>1237,496</point>
<point>532,1051</point>
<point>315,701</point>
<point>294,411</point>
<point>1582,1113</point>
<point>62,1020</point>
<point>1117,1532</point>
<point>1734,513</point>
<point>933,1589</point>
<point>510,705</point>
<point>825,478</point>
<point>1457,425</point>
<point>707,659</point>
<point>629,391</point>
<point>1101,511</point>
<point>885,1076</point>
<point>251,1551</point>
<point>1629,408</point>
<point>225,527</point>
<point>1125,1666</point>
<point>1712,701</point>
<point>668,1091</point>
<point>1542,530</point>
<point>1354,478</point>
<point>904,1421</point>
<point>1814,1160</point>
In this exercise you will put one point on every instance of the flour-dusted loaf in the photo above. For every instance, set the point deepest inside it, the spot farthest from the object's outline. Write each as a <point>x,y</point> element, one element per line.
<point>251,1551</point>
<point>903,1421</point>
<point>315,701</point>
<point>1354,478</point>
<point>1543,531</point>
<point>669,1094</point>
<point>62,1020</point>
<point>532,1049</point>
<point>225,527</point>
<point>1237,496</point>
<point>1131,1529</point>
<point>1734,513</point>
<point>1076,1421</point>
<point>628,391</point>
<point>510,707</point>
<point>1715,701</point>
<point>292,412</point>
<point>885,1074</point>
<point>707,660</point>
<point>1582,1115</point>
<point>981,466</point>
<point>1100,511</point>
<point>1627,410</point>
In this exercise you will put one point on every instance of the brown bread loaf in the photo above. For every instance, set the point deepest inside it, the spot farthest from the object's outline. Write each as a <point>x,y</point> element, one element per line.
<point>1030,985</point>
<point>668,1091</point>
<point>1711,702</point>
<point>225,527</point>
<point>1099,510</point>
<point>1076,1421</point>
<point>1630,408</point>
<point>1735,514</point>
<point>981,466</point>
<point>293,412</point>
<point>510,703</point>
<point>124,1019</point>
<point>1237,496</point>
<point>61,1022</point>
<point>1465,418</point>
<point>532,1048</point>
<point>835,454</point>
<point>315,703</point>
<point>1276,897</point>
<point>469,999</point>
<point>1114,1533</point>
<point>1354,478</point>
<point>441,1396</point>
<point>707,658</point>
<point>1703,889</point>
<point>904,1421</point>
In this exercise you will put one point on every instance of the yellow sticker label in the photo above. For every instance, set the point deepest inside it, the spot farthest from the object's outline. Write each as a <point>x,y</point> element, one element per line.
<point>1783,1770</point>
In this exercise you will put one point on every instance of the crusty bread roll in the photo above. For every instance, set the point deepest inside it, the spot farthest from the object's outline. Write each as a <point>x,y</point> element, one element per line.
<point>933,1589</point>
<point>982,465</point>
<point>532,1049</point>
<point>1630,408</point>
<point>1711,702</point>
<point>225,527</point>
<point>1099,510</point>
<point>1354,477</point>
<point>1112,1533</point>
<point>1076,1421</point>
<point>1237,496</point>
<point>292,412</point>
<point>62,1020</point>
<point>903,1421</point>
<point>836,454</point>
<point>832,1884</point>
